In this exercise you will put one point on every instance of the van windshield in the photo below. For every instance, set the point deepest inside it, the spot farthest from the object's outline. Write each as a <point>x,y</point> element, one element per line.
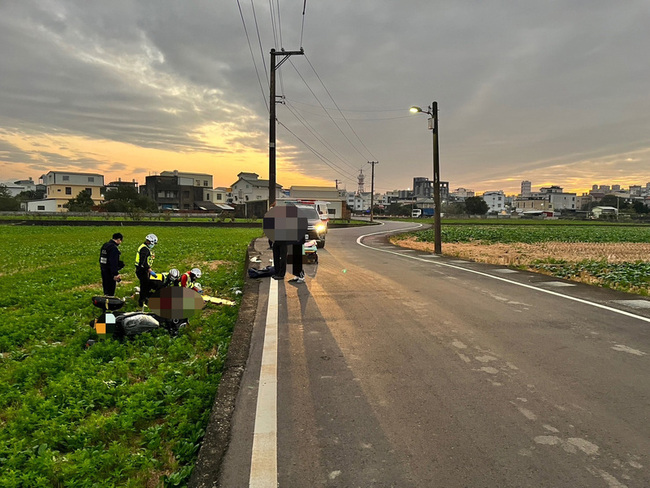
<point>309,212</point>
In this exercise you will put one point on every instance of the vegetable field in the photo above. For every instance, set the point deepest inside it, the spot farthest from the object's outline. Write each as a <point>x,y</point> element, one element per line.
<point>612,256</point>
<point>126,414</point>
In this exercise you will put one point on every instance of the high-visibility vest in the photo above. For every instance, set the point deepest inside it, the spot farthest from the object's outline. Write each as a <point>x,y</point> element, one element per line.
<point>137,258</point>
<point>189,283</point>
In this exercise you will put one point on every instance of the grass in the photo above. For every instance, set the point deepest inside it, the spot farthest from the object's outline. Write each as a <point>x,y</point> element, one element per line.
<point>117,414</point>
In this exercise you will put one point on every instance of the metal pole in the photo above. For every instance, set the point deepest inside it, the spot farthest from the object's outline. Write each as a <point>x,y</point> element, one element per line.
<point>436,180</point>
<point>372,189</point>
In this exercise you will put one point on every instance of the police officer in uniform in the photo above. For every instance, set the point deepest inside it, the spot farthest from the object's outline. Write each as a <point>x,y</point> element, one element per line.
<point>110,264</point>
<point>143,263</point>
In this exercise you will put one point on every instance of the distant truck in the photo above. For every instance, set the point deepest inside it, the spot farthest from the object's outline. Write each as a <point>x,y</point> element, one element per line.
<point>422,212</point>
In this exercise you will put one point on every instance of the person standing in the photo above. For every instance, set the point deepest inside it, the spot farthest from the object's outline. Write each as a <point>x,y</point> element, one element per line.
<point>110,264</point>
<point>143,264</point>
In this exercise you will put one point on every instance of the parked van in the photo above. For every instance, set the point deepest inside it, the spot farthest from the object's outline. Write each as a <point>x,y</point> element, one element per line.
<point>319,205</point>
<point>317,230</point>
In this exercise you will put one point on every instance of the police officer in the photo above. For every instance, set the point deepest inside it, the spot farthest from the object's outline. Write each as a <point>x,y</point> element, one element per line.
<point>110,264</point>
<point>143,263</point>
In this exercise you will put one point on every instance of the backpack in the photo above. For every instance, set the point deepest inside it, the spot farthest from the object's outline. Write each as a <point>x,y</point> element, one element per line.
<point>261,273</point>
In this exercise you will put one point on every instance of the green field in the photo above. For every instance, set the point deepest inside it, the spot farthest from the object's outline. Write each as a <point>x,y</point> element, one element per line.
<point>631,276</point>
<point>117,414</point>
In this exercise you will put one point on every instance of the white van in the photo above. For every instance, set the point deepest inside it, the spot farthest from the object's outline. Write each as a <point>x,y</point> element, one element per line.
<point>317,231</point>
<point>319,205</point>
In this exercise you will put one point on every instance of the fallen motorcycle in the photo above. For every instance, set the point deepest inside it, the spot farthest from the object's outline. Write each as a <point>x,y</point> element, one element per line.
<point>129,324</point>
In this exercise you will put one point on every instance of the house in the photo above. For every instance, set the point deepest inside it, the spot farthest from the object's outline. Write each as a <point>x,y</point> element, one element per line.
<point>15,187</point>
<point>496,200</point>
<point>249,188</point>
<point>63,186</point>
<point>175,190</point>
<point>598,212</point>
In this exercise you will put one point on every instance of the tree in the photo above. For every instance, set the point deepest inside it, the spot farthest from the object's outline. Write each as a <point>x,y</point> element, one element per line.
<point>614,201</point>
<point>476,206</point>
<point>640,207</point>
<point>455,208</point>
<point>398,209</point>
<point>126,199</point>
<point>7,202</point>
<point>81,203</point>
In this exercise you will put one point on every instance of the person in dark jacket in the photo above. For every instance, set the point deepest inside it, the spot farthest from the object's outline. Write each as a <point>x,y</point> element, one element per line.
<point>110,264</point>
<point>143,264</point>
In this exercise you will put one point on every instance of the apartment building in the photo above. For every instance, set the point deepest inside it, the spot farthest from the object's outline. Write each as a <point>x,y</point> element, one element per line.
<point>63,186</point>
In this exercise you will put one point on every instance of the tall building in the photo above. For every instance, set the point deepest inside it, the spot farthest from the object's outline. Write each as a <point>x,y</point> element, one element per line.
<point>526,188</point>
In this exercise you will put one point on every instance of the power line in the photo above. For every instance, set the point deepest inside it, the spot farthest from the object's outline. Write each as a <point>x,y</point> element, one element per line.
<point>279,24</point>
<point>330,117</point>
<point>308,126</point>
<point>259,38</point>
<point>332,165</point>
<point>334,101</point>
<point>250,48</point>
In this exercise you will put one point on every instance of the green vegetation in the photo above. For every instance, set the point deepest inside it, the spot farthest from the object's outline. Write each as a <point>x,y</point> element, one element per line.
<point>117,414</point>
<point>627,276</point>
<point>530,234</point>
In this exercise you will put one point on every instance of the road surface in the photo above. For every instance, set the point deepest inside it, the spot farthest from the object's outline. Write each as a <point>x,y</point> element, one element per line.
<point>397,368</point>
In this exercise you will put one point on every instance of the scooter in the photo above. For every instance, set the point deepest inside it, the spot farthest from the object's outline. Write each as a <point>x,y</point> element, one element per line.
<point>130,324</point>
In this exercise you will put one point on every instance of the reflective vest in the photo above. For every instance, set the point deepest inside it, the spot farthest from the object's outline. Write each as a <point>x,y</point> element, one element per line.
<point>189,283</point>
<point>137,258</point>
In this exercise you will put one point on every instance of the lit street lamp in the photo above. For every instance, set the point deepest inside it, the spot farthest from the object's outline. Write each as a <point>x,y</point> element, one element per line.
<point>432,110</point>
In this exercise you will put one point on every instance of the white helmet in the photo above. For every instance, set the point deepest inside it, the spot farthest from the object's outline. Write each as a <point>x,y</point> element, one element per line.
<point>196,272</point>
<point>174,273</point>
<point>152,238</point>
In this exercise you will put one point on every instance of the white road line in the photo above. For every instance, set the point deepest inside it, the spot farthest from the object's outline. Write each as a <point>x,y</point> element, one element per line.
<point>264,459</point>
<point>499,278</point>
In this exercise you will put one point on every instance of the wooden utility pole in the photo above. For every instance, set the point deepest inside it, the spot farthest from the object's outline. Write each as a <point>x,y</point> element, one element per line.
<point>272,100</point>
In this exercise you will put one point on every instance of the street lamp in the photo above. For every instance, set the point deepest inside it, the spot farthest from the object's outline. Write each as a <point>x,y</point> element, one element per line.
<point>432,110</point>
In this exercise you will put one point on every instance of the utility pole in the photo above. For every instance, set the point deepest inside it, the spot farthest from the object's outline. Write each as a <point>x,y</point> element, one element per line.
<point>372,189</point>
<point>437,246</point>
<point>337,183</point>
<point>272,100</point>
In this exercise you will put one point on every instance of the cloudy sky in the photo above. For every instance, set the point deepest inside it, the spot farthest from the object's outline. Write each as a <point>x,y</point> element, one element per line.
<point>555,92</point>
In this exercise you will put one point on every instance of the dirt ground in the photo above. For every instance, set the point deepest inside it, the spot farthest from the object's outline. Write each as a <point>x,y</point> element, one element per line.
<point>519,254</point>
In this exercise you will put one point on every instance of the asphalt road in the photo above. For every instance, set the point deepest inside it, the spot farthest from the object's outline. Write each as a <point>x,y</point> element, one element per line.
<point>396,368</point>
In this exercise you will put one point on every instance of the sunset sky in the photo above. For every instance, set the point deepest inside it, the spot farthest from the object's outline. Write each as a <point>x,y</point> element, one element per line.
<point>552,92</point>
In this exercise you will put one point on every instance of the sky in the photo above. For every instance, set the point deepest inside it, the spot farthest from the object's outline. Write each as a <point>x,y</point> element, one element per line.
<point>554,92</point>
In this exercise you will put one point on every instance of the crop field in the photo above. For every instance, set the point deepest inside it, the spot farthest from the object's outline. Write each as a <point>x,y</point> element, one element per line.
<point>127,413</point>
<point>612,256</point>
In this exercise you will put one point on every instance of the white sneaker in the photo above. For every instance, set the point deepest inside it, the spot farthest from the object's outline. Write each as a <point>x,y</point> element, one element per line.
<point>297,279</point>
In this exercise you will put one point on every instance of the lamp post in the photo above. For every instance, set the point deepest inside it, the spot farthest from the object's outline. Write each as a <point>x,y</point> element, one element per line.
<point>432,110</point>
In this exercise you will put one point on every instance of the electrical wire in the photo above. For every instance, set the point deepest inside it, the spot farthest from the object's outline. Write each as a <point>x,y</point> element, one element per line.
<point>332,165</point>
<point>250,48</point>
<point>279,25</point>
<point>328,114</point>
<point>259,38</point>
<point>334,101</point>
<point>313,132</point>
<point>273,24</point>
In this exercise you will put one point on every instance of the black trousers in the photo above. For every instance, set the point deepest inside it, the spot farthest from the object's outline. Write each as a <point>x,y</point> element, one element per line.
<point>145,286</point>
<point>296,258</point>
<point>108,283</point>
<point>280,258</point>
